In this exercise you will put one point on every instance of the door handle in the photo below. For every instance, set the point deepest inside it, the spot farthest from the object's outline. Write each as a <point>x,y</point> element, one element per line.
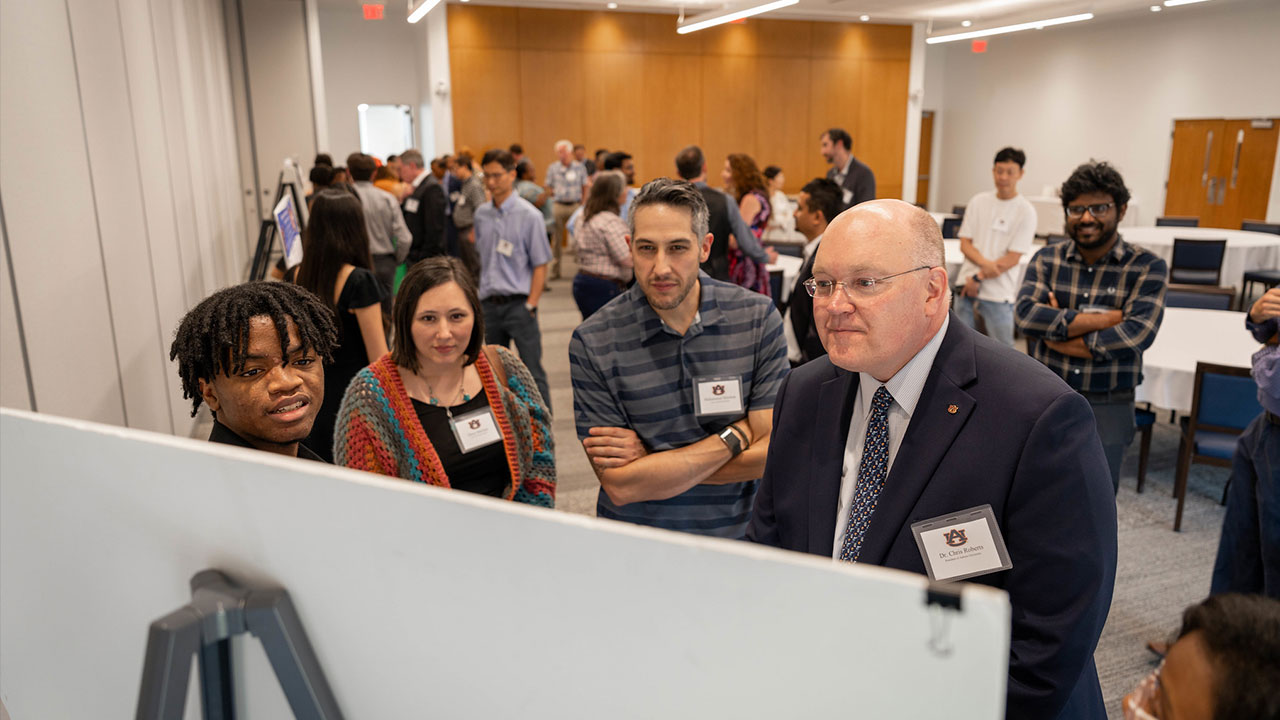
<point>1235,159</point>
<point>1208,153</point>
<point>1222,190</point>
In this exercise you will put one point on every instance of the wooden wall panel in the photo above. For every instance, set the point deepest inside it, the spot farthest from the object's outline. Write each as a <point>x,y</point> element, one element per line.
<point>879,135</point>
<point>628,80</point>
<point>783,135</point>
<point>672,90</point>
<point>614,110</point>
<point>729,85</point>
<point>487,99</point>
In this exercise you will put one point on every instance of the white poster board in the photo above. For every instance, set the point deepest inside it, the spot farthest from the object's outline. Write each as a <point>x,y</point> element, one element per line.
<point>423,602</point>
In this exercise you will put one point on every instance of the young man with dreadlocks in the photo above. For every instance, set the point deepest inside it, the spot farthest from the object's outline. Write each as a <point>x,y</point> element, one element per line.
<point>255,354</point>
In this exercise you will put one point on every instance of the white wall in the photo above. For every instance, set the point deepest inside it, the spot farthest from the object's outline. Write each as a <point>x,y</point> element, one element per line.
<point>368,61</point>
<point>127,104</point>
<point>1108,89</point>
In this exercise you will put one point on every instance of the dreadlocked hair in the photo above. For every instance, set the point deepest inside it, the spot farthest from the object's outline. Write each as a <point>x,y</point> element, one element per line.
<point>213,338</point>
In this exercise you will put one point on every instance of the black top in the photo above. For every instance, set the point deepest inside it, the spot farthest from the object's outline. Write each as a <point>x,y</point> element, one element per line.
<point>222,434</point>
<point>484,470</point>
<point>349,357</point>
<point>721,227</point>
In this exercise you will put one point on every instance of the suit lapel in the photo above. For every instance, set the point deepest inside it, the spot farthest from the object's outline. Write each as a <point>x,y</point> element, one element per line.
<point>929,436</point>
<point>827,457</point>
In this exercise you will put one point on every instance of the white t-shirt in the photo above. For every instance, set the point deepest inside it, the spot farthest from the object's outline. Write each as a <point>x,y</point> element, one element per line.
<point>996,227</point>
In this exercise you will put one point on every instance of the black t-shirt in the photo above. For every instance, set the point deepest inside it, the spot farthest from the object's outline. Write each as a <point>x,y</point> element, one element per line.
<point>484,470</point>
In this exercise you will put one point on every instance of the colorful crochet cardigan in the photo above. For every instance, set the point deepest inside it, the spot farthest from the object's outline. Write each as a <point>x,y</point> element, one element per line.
<point>378,429</point>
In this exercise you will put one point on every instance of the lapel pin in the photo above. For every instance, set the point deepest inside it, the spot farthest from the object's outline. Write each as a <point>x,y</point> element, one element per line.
<point>952,409</point>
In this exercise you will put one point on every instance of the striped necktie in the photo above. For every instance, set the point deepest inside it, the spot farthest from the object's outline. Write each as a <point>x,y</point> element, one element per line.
<point>871,474</point>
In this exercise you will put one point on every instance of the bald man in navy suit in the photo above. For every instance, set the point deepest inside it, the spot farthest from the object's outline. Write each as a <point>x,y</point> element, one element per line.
<point>911,417</point>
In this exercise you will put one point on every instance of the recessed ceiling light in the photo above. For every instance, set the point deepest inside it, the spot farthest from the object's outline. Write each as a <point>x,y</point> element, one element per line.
<point>865,18</point>
<point>966,23</point>
<point>613,6</point>
<point>1175,3</point>
<point>1156,8</point>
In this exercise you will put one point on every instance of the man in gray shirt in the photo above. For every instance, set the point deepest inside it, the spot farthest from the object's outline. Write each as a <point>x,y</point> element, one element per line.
<point>389,238</point>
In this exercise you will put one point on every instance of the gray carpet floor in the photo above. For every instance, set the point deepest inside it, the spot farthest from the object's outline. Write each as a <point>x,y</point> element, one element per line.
<point>1160,572</point>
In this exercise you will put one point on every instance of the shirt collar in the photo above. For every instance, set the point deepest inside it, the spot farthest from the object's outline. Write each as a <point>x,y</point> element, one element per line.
<point>908,383</point>
<point>421,176</point>
<point>509,203</point>
<point>810,246</point>
<point>224,435</point>
<point>844,171</point>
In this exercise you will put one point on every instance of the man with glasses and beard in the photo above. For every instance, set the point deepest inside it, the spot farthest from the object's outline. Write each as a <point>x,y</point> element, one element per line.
<point>1089,307</point>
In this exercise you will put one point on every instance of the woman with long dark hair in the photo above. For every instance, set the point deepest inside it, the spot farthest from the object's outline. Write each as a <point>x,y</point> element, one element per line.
<point>443,408</point>
<point>743,180</point>
<point>604,258</point>
<point>336,266</point>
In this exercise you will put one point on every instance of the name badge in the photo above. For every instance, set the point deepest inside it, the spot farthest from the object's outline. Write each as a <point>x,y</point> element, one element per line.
<point>848,195</point>
<point>571,176</point>
<point>1001,224</point>
<point>1096,308</point>
<point>717,395</point>
<point>411,205</point>
<point>505,247</point>
<point>475,430</point>
<point>961,545</point>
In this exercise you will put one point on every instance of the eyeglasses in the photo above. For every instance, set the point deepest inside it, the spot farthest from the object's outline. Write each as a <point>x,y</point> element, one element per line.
<point>862,287</point>
<point>1098,210</point>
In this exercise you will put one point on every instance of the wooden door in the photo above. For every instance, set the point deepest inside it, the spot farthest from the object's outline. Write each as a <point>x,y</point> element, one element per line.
<point>926,158</point>
<point>1193,167</point>
<point>1220,170</point>
<point>1244,175</point>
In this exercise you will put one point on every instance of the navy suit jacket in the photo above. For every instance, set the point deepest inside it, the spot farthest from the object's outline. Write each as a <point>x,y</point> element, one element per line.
<point>1019,439</point>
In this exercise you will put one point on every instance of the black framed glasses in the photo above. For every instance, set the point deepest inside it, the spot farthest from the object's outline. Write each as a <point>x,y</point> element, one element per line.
<point>857,287</point>
<point>1097,210</point>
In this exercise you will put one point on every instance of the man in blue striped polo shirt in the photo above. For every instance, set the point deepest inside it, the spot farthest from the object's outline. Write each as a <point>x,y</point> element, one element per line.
<point>674,380</point>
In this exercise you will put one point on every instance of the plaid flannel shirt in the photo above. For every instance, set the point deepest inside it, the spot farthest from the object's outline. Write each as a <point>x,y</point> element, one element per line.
<point>1128,278</point>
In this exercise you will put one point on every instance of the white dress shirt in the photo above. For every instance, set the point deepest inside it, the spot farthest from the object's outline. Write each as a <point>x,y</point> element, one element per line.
<point>905,387</point>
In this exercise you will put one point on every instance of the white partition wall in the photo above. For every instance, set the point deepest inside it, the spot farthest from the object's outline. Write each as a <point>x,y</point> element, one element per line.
<point>121,198</point>
<point>423,602</point>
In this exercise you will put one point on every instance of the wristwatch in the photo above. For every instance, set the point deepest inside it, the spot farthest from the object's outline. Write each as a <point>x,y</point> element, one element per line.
<point>731,440</point>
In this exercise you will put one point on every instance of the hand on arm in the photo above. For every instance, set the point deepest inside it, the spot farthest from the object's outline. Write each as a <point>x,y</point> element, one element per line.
<point>986,268</point>
<point>1266,307</point>
<point>1081,324</point>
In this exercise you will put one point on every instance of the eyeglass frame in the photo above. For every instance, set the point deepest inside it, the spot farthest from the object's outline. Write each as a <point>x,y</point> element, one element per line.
<point>811,285</point>
<point>1106,209</point>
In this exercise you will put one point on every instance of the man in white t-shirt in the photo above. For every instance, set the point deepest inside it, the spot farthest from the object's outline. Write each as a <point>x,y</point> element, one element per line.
<point>998,228</point>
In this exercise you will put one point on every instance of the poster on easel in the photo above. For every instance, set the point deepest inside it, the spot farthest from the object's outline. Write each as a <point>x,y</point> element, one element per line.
<point>286,216</point>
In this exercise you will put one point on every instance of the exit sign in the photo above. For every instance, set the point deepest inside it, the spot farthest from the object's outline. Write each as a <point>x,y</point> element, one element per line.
<point>372,12</point>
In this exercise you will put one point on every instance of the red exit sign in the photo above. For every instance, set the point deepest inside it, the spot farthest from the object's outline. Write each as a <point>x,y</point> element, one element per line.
<point>372,12</point>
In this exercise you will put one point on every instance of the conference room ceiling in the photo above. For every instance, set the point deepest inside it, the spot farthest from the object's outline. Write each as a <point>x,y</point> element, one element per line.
<point>944,15</point>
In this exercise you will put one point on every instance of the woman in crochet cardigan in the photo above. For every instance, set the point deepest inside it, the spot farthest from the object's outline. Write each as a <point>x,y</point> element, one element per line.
<point>444,409</point>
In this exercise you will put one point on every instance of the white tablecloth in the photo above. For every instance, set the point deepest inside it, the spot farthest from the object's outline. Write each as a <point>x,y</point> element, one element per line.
<point>1245,250</point>
<point>1188,336</point>
<point>790,267</point>
<point>955,259</point>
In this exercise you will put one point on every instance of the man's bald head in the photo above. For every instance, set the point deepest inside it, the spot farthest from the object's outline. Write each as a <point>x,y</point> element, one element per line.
<point>878,328</point>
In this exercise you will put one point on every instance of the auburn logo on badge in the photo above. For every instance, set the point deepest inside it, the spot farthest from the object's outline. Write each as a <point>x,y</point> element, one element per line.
<point>474,424</point>
<point>717,389</point>
<point>955,537</point>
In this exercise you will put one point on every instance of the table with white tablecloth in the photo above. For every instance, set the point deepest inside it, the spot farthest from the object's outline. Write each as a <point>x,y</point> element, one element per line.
<point>1245,250</point>
<point>789,267</point>
<point>1188,336</point>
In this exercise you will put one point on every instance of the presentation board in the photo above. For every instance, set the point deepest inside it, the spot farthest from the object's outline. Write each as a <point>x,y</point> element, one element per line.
<point>422,602</point>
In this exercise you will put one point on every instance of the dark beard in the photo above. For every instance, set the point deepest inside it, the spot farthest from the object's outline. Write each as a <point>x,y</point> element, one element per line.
<point>1102,240</point>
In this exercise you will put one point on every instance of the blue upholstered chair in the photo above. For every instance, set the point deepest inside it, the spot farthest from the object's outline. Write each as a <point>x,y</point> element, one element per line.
<point>1224,402</point>
<point>1177,222</point>
<point>1144,420</point>
<point>951,227</point>
<point>1199,296</point>
<point>1262,227</point>
<point>1197,262</point>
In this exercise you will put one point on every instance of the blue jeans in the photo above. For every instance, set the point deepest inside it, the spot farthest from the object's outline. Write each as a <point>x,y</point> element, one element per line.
<point>1249,550</point>
<point>504,322</point>
<point>592,293</point>
<point>997,316</point>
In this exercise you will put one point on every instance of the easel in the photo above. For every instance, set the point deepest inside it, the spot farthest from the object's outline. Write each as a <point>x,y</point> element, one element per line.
<point>290,180</point>
<point>219,610</point>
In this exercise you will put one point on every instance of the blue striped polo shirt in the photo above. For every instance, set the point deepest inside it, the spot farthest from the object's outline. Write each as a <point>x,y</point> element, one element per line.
<point>630,370</point>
